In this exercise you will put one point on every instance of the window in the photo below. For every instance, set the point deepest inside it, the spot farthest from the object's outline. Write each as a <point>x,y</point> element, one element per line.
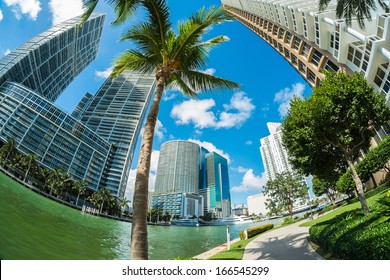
<point>297,41</point>
<point>355,53</point>
<point>305,49</point>
<point>316,57</point>
<point>330,66</point>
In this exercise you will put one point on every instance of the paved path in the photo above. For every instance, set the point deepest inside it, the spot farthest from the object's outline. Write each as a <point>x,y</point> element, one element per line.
<point>287,243</point>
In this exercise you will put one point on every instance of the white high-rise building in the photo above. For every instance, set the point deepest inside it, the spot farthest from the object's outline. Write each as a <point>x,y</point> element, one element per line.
<point>273,154</point>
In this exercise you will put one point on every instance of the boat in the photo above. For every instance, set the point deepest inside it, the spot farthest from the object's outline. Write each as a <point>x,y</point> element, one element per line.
<point>185,222</point>
<point>235,220</point>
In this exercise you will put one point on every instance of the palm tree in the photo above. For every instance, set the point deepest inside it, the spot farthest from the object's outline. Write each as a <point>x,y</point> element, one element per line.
<point>175,59</point>
<point>58,180</point>
<point>98,198</point>
<point>8,150</point>
<point>30,161</point>
<point>80,186</point>
<point>123,9</point>
<point>122,203</point>
<point>361,9</point>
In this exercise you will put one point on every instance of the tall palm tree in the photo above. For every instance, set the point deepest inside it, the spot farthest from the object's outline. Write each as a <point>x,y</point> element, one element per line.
<point>122,8</point>
<point>30,161</point>
<point>80,186</point>
<point>122,203</point>
<point>98,198</point>
<point>175,59</point>
<point>361,9</point>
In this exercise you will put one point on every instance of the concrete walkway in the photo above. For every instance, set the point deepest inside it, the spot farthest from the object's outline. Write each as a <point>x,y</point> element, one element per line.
<point>287,243</point>
<point>212,252</point>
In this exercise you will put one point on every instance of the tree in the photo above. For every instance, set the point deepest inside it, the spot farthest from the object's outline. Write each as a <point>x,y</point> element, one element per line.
<point>98,198</point>
<point>8,150</point>
<point>326,132</point>
<point>284,191</point>
<point>361,9</point>
<point>123,202</point>
<point>80,186</point>
<point>327,187</point>
<point>30,161</point>
<point>57,181</point>
<point>176,60</point>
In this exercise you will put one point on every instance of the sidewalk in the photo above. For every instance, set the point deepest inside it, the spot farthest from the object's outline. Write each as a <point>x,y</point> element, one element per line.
<point>287,243</point>
<point>212,252</point>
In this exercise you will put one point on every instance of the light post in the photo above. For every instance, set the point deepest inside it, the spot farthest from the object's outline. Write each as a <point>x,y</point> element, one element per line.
<point>228,237</point>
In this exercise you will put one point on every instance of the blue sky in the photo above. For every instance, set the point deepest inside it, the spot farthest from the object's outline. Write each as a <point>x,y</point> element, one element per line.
<point>231,123</point>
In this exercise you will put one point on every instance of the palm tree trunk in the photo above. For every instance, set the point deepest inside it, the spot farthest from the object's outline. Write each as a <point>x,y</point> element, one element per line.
<point>359,188</point>
<point>77,199</point>
<point>25,176</point>
<point>139,234</point>
<point>101,207</point>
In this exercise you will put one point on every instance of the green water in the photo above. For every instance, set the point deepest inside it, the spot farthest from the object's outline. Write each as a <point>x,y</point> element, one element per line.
<point>34,227</point>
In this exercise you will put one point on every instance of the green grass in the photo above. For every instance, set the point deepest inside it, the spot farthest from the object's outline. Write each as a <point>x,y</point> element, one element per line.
<point>236,251</point>
<point>372,197</point>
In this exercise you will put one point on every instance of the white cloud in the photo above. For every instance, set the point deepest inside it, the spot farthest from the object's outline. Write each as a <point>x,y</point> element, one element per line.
<point>284,96</point>
<point>7,51</point>
<point>209,71</point>
<point>249,142</point>
<point>240,169</point>
<point>64,10</point>
<point>1,15</point>
<point>198,112</point>
<point>24,7</point>
<point>152,176</point>
<point>250,182</point>
<point>170,94</point>
<point>211,148</point>
<point>104,74</point>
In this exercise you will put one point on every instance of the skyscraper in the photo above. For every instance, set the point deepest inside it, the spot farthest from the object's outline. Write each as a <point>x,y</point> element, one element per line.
<point>189,176</point>
<point>49,62</point>
<point>97,142</point>
<point>116,114</point>
<point>312,41</point>
<point>273,154</point>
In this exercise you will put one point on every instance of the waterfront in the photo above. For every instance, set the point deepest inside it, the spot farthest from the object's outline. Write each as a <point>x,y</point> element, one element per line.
<point>34,227</point>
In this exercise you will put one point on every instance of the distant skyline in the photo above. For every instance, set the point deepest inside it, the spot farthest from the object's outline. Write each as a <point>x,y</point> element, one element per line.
<point>230,123</point>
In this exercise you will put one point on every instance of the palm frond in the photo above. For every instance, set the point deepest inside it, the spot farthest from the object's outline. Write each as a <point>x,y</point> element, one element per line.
<point>134,61</point>
<point>323,4</point>
<point>144,37</point>
<point>191,31</point>
<point>202,82</point>
<point>159,15</point>
<point>124,9</point>
<point>90,6</point>
<point>177,82</point>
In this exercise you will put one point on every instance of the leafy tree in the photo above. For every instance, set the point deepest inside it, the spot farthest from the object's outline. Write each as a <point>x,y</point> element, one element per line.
<point>284,191</point>
<point>325,132</point>
<point>359,9</point>
<point>176,60</point>
<point>345,184</point>
<point>327,187</point>
<point>30,162</point>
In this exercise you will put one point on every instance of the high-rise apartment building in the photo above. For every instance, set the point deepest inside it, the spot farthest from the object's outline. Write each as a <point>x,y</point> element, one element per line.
<point>116,114</point>
<point>49,62</point>
<point>97,142</point>
<point>273,154</point>
<point>191,181</point>
<point>313,41</point>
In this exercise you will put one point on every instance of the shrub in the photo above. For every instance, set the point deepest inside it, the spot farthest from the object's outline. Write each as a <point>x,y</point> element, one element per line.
<point>354,236</point>
<point>255,231</point>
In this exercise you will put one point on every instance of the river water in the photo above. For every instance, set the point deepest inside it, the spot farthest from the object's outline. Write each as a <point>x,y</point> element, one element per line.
<point>35,227</point>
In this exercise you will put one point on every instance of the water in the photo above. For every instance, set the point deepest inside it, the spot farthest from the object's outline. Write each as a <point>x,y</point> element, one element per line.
<point>34,227</point>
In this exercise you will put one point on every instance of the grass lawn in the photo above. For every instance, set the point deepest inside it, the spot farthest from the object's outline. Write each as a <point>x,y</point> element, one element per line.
<point>372,197</point>
<point>236,251</point>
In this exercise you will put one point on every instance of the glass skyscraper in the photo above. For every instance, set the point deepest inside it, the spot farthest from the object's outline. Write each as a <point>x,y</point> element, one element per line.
<point>97,142</point>
<point>185,168</point>
<point>49,62</point>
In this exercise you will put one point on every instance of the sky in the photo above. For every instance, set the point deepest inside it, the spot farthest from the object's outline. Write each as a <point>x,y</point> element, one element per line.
<point>230,123</point>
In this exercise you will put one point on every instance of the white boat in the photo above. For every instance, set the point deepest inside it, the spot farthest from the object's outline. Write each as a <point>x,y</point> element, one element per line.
<point>235,220</point>
<point>185,222</point>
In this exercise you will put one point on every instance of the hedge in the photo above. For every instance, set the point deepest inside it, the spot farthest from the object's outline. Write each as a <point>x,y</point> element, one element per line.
<point>354,236</point>
<point>255,231</point>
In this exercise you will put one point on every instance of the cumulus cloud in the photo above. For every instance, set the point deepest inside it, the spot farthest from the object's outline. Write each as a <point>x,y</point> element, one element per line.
<point>211,148</point>
<point>152,176</point>
<point>64,10</point>
<point>240,169</point>
<point>250,182</point>
<point>199,112</point>
<point>284,96</point>
<point>31,8</point>
<point>104,74</point>
<point>7,51</point>
<point>1,15</point>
